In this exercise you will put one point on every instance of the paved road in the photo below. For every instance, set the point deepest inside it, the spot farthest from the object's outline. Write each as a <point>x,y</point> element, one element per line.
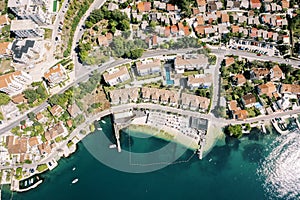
<point>210,117</point>
<point>252,56</point>
<point>84,76</point>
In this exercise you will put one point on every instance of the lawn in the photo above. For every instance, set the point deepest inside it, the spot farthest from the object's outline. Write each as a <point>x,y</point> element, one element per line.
<point>48,33</point>
<point>188,73</point>
<point>5,66</point>
<point>42,168</point>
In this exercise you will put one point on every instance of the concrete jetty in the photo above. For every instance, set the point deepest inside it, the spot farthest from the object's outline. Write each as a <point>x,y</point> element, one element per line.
<point>277,128</point>
<point>117,135</point>
<point>297,121</point>
<point>263,128</point>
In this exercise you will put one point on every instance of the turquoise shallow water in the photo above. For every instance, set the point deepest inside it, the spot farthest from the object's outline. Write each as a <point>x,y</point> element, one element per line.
<point>232,170</point>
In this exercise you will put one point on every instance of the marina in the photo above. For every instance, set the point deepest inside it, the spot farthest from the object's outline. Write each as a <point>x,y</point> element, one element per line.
<point>216,168</point>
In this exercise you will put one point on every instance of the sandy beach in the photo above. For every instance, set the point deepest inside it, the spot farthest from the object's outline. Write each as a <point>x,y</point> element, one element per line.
<point>165,133</point>
<point>214,134</point>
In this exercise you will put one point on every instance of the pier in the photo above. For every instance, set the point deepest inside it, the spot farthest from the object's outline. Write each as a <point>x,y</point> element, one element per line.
<point>297,121</point>
<point>263,128</point>
<point>117,135</point>
<point>277,128</point>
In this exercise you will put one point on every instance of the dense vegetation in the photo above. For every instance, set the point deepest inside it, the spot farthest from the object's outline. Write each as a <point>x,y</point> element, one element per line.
<point>75,12</point>
<point>185,6</point>
<point>4,99</point>
<point>116,19</point>
<point>128,48</point>
<point>182,43</point>
<point>38,94</point>
<point>234,130</point>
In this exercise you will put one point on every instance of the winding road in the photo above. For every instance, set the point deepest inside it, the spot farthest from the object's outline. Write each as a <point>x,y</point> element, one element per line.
<point>83,72</point>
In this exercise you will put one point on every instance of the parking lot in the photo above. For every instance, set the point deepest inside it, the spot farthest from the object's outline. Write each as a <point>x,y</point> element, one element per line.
<point>260,48</point>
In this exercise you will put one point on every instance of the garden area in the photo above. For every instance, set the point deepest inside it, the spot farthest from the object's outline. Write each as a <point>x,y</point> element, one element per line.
<point>73,15</point>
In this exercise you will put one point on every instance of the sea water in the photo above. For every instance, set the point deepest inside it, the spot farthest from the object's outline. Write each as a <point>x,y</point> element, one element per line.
<point>256,167</point>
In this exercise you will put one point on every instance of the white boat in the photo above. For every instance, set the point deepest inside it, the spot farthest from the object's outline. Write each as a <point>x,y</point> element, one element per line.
<point>99,129</point>
<point>75,180</point>
<point>104,122</point>
<point>74,168</point>
<point>112,146</point>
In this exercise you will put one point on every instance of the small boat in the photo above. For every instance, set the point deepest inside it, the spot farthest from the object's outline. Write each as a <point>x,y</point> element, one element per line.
<point>99,129</point>
<point>104,122</point>
<point>74,168</point>
<point>112,146</point>
<point>210,160</point>
<point>75,181</point>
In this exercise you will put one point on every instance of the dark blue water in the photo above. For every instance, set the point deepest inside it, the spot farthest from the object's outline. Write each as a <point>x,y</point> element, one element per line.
<point>229,171</point>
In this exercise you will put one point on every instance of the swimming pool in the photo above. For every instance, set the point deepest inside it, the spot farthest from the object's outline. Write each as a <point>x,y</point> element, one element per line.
<point>168,77</point>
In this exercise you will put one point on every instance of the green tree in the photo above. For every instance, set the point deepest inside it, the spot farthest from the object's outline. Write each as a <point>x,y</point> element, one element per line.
<point>31,95</point>
<point>31,116</point>
<point>4,99</point>
<point>234,130</point>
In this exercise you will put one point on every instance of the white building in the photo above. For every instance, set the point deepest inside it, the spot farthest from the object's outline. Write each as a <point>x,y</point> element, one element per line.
<point>35,10</point>
<point>55,75</point>
<point>116,76</point>
<point>14,83</point>
<point>190,62</point>
<point>28,51</point>
<point>26,29</point>
<point>148,67</point>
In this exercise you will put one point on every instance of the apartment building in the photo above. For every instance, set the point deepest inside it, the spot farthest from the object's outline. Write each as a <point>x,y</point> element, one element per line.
<point>26,28</point>
<point>14,83</point>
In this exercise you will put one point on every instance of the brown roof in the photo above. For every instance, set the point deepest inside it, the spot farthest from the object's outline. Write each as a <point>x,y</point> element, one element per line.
<point>195,101</point>
<point>249,99</point>
<point>174,29</point>
<point>241,114</point>
<point>7,78</point>
<point>141,66</point>
<point>186,30</point>
<point>235,29</point>
<point>44,148</point>
<point>200,20</point>
<point>70,123</point>
<point>199,79</point>
<point>33,141</point>
<point>109,76</point>
<point>267,88</point>
<point>18,99</point>
<point>201,2</point>
<point>39,116</point>
<point>233,105</point>
<point>53,70</point>
<point>73,110</point>
<point>260,72</point>
<point>167,31</point>
<point>102,40</point>
<point>154,40</point>
<point>170,7</point>
<point>200,30</point>
<point>229,61</point>
<point>285,4</point>
<point>225,17</point>
<point>56,110</point>
<point>290,88</point>
<point>277,72</point>
<point>3,47</point>
<point>3,20</point>
<point>255,3</point>
<point>53,132</point>
<point>144,6</point>
<point>196,11</point>
<point>240,79</point>
<point>16,145</point>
